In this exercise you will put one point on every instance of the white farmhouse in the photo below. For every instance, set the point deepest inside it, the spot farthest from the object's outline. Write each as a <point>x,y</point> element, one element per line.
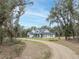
<point>40,33</point>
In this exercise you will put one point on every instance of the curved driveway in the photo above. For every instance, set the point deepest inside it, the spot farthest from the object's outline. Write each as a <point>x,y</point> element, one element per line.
<point>59,51</point>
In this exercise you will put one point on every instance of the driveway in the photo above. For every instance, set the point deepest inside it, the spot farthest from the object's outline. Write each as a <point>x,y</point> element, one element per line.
<point>59,51</point>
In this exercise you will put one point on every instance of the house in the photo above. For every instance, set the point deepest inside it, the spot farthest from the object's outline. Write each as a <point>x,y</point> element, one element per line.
<point>40,33</point>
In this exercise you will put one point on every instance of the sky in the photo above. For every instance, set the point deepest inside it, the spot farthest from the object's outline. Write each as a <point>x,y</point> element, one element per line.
<point>36,14</point>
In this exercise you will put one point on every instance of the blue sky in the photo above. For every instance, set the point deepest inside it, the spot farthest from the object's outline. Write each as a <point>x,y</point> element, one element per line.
<point>36,14</point>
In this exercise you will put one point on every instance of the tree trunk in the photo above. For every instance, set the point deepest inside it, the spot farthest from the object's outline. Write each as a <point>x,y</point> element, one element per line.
<point>73,34</point>
<point>1,38</point>
<point>66,38</point>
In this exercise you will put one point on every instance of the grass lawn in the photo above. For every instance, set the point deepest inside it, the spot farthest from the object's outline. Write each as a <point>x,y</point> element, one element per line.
<point>46,39</point>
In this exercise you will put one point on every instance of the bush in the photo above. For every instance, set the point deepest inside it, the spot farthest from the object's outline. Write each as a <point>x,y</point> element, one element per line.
<point>53,39</point>
<point>18,49</point>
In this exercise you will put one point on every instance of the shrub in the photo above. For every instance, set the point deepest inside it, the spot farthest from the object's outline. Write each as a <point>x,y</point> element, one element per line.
<point>18,49</point>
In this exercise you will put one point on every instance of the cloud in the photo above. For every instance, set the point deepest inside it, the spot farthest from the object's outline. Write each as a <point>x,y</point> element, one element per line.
<point>37,14</point>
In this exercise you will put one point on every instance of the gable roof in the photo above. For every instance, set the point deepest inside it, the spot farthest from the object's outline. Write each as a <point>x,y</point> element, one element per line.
<point>40,31</point>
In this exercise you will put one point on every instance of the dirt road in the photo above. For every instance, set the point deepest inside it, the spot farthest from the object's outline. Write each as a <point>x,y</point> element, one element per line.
<point>60,51</point>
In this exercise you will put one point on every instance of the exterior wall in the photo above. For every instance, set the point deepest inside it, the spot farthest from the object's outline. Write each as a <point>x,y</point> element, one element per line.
<point>53,36</point>
<point>48,36</point>
<point>42,36</point>
<point>31,36</point>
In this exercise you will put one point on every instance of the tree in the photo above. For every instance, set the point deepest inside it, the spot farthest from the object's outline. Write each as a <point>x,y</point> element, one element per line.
<point>46,27</point>
<point>11,10</point>
<point>64,15</point>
